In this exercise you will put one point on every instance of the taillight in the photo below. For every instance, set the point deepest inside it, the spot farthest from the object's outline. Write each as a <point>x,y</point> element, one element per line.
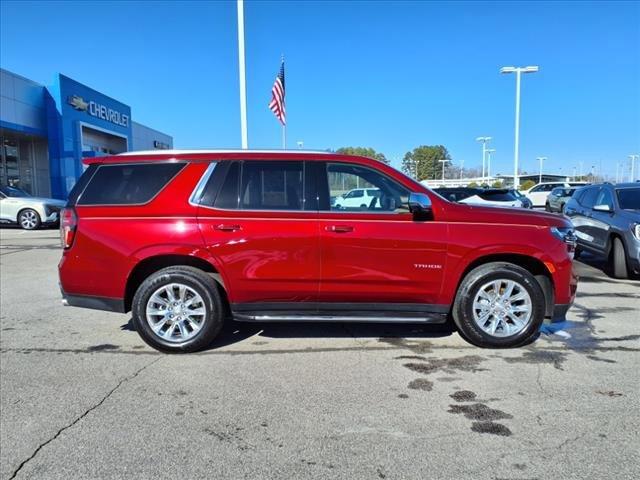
<point>68,224</point>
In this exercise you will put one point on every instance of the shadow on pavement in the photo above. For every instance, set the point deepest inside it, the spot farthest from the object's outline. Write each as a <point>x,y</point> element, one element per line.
<point>234,332</point>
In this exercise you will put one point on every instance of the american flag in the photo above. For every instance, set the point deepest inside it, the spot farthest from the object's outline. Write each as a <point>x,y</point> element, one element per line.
<point>277,97</point>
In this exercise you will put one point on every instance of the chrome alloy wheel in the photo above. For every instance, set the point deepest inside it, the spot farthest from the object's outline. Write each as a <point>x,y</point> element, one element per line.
<point>176,312</point>
<point>502,308</point>
<point>28,220</point>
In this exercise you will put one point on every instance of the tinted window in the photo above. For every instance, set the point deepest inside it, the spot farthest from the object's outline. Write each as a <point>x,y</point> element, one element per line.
<point>497,196</point>
<point>272,186</point>
<point>629,198</point>
<point>81,184</point>
<point>228,196</point>
<point>588,199</point>
<point>13,192</point>
<point>391,196</point>
<point>128,184</point>
<point>557,192</point>
<point>605,198</point>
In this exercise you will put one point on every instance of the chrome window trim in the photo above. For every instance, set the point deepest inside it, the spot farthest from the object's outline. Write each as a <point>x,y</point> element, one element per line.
<point>179,162</point>
<point>196,195</point>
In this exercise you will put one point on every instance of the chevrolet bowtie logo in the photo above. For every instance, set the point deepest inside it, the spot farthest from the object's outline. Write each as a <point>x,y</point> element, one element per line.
<point>78,103</point>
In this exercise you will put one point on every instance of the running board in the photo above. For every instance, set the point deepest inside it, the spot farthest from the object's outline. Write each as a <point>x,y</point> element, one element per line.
<point>372,318</point>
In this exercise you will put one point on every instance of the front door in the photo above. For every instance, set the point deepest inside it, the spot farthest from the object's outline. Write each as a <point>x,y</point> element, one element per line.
<point>376,253</point>
<point>256,220</point>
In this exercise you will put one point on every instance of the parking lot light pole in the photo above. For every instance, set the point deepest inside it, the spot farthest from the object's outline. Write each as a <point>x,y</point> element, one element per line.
<point>443,162</point>
<point>484,141</point>
<point>633,159</point>
<point>540,159</point>
<point>242,75</point>
<point>518,71</point>
<point>489,152</point>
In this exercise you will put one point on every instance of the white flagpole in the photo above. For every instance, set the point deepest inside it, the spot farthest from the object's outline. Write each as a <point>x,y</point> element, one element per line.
<point>243,82</point>
<point>284,137</point>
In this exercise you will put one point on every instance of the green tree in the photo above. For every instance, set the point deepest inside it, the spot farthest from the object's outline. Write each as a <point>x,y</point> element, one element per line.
<point>363,152</point>
<point>472,185</point>
<point>496,184</point>
<point>527,185</point>
<point>424,161</point>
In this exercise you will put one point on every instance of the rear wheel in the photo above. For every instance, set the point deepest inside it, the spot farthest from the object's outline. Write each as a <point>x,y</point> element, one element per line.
<point>499,305</point>
<point>562,208</point>
<point>547,207</point>
<point>619,259</point>
<point>178,309</point>
<point>29,219</point>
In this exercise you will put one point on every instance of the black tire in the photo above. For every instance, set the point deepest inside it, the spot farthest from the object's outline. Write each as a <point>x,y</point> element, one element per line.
<point>562,208</point>
<point>547,207</point>
<point>364,207</point>
<point>577,253</point>
<point>203,285</point>
<point>469,287</point>
<point>29,219</point>
<point>619,259</point>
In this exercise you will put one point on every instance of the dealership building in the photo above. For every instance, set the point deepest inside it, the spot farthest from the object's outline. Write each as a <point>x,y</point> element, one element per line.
<point>45,131</point>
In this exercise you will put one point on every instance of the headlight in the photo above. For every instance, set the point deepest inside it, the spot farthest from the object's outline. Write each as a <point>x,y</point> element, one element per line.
<point>566,235</point>
<point>635,229</point>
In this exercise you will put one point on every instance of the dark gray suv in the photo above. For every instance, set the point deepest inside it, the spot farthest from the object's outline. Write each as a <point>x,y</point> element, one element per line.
<point>607,222</point>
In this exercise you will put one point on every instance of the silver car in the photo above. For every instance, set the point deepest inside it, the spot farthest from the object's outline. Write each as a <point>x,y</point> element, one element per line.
<point>17,206</point>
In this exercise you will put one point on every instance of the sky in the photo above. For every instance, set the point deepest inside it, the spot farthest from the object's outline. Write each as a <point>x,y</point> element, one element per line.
<point>386,75</point>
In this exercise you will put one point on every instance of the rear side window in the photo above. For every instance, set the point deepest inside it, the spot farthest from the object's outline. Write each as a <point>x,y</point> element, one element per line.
<point>272,186</point>
<point>128,184</point>
<point>228,197</point>
<point>81,184</point>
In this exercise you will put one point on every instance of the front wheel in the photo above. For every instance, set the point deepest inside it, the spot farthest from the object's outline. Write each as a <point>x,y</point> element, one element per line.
<point>29,219</point>
<point>499,305</point>
<point>178,309</point>
<point>547,207</point>
<point>619,259</point>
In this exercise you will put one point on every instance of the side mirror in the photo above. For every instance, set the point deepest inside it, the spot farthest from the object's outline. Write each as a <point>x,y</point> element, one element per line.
<point>419,203</point>
<point>602,208</point>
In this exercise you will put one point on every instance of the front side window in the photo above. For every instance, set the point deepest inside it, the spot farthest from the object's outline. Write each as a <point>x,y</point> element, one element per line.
<point>9,191</point>
<point>588,199</point>
<point>129,184</point>
<point>605,198</point>
<point>389,197</point>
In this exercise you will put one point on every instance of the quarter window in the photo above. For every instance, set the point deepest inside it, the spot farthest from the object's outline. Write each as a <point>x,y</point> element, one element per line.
<point>389,196</point>
<point>132,184</point>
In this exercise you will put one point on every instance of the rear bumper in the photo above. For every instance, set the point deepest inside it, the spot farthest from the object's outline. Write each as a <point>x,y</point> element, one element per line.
<point>94,303</point>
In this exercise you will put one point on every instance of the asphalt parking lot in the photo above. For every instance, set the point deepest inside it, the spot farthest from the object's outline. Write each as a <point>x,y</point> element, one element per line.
<point>83,397</point>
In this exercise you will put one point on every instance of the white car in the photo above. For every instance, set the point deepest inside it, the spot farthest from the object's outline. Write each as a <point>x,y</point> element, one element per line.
<point>17,206</point>
<point>538,193</point>
<point>496,197</point>
<point>356,198</point>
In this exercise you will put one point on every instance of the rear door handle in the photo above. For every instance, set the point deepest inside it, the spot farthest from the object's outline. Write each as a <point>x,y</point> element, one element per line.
<point>339,228</point>
<point>227,228</point>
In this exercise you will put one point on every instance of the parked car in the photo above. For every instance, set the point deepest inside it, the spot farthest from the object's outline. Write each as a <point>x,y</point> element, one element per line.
<point>481,196</point>
<point>359,198</point>
<point>18,207</point>
<point>185,239</point>
<point>558,198</point>
<point>607,221</point>
<point>538,193</point>
<point>526,203</point>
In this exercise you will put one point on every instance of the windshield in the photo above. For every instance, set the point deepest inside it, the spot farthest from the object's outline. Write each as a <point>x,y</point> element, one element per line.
<point>13,192</point>
<point>498,196</point>
<point>629,198</point>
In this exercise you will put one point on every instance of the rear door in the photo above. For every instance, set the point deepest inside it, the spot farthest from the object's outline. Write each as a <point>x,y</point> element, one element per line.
<point>259,220</point>
<point>376,255</point>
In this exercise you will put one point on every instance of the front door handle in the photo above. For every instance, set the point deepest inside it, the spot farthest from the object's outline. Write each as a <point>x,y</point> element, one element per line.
<point>339,228</point>
<point>223,227</point>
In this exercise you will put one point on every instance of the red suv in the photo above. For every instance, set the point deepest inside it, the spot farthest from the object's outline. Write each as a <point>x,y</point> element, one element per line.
<point>186,239</point>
